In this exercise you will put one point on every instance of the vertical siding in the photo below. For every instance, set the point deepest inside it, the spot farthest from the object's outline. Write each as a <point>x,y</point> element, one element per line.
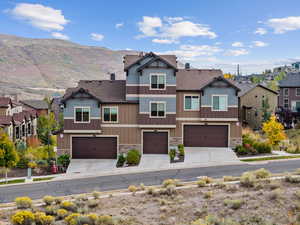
<point>127,113</point>
<point>180,105</point>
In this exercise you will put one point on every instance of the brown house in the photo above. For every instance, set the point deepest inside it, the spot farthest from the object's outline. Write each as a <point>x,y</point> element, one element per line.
<point>40,106</point>
<point>157,107</point>
<point>251,103</point>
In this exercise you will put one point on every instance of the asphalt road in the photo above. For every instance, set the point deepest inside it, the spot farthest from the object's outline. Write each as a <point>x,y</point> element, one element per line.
<point>104,183</point>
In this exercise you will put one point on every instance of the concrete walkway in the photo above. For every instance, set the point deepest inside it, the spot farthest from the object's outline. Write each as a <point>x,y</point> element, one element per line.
<point>84,166</point>
<point>154,161</point>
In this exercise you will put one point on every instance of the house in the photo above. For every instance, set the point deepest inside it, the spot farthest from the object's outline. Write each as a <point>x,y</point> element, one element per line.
<point>40,106</point>
<point>17,122</point>
<point>289,93</point>
<point>252,97</point>
<point>157,107</point>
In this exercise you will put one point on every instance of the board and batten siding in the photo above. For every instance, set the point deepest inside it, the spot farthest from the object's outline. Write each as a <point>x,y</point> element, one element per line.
<point>180,105</point>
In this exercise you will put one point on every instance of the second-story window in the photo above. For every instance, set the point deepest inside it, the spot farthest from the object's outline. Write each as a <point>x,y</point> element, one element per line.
<point>158,81</point>
<point>297,91</point>
<point>219,102</point>
<point>110,114</point>
<point>191,102</point>
<point>158,109</point>
<point>286,92</point>
<point>82,114</point>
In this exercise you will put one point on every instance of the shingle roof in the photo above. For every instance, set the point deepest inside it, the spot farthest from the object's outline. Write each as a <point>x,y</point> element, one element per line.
<point>291,80</point>
<point>132,59</point>
<point>106,91</point>
<point>195,79</point>
<point>246,87</point>
<point>4,101</point>
<point>5,120</point>
<point>36,104</point>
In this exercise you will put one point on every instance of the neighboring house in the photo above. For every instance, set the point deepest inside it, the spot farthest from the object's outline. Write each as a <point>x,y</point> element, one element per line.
<point>289,93</point>
<point>40,106</point>
<point>56,107</point>
<point>17,122</point>
<point>251,103</point>
<point>156,108</point>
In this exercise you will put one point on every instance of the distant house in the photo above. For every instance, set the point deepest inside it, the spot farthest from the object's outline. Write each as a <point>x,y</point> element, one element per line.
<point>251,100</point>
<point>40,106</point>
<point>289,93</point>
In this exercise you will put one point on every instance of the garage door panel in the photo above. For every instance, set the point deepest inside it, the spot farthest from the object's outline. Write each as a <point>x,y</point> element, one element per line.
<point>206,135</point>
<point>94,147</point>
<point>155,143</point>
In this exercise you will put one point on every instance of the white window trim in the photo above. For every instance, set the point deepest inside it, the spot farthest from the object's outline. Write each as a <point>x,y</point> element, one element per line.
<point>158,74</point>
<point>105,107</point>
<point>212,105</point>
<point>82,107</point>
<point>296,91</point>
<point>165,109</point>
<point>191,95</point>
<point>284,92</point>
<point>288,103</point>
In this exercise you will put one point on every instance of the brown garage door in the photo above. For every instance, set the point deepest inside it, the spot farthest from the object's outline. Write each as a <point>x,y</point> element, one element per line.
<point>205,136</point>
<point>94,147</point>
<point>155,142</point>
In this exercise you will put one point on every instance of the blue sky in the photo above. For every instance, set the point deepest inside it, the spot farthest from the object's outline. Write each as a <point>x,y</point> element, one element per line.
<point>257,34</point>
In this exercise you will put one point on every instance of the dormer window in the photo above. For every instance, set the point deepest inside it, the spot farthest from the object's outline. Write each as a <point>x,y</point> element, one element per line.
<point>82,114</point>
<point>158,81</point>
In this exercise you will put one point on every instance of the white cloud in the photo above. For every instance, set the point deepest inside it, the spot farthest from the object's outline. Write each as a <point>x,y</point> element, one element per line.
<point>173,28</point>
<point>285,24</point>
<point>58,35</point>
<point>260,31</point>
<point>237,52</point>
<point>149,24</point>
<point>97,37</point>
<point>260,44</point>
<point>237,44</point>
<point>40,16</point>
<point>192,52</point>
<point>164,41</point>
<point>119,25</point>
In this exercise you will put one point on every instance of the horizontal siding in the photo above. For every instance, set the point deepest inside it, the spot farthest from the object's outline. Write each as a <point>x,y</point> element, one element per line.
<point>206,112</point>
<point>146,90</point>
<point>145,119</point>
<point>95,124</point>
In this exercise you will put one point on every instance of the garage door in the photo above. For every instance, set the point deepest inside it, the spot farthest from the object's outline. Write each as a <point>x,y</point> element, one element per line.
<point>94,147</point>
<point>205,136</point>
<point>155,142</point>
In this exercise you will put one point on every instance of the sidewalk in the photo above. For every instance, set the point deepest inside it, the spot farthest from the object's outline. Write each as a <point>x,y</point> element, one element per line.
<point>33,177</point>
<point>275,154</point>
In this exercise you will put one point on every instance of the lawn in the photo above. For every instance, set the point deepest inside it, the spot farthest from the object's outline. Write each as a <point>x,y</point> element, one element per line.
<point>264,202</point>
<point>17,181</point>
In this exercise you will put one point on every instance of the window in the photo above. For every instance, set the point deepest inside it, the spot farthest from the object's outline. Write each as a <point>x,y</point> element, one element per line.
<point>297,91</point>
<point>191,102</point>
<point>286,92</point>
<point>82,114</point>
<point>17,132</point>
<point>158,109</point>
<point>29,129</point>
<point>110,114</point>
<point>23,130</point>
<point>158,81</point>
<point>219,103</point>
<point>286,103</point>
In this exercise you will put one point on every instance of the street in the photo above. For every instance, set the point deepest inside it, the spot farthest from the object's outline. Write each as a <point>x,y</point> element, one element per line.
<point>105,183</point>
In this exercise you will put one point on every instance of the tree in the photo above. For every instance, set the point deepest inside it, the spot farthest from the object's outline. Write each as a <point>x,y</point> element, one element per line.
<point>265,108</point>
<point>45,126</point>
<point>274,131</point>
<point>8,154</point>
<point>273,85</point>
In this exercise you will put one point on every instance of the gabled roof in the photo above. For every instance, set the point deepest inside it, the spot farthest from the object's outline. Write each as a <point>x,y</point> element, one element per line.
<point>105,91</point>
<point>246,87</point>
<point>5,102</point>
<point>220,78</point>
<point>35,104</point>
<point>154,59</point>
<point>130,60</point>
<point>71,92</point>
<point>291,80</point>
<point>195,79</point>
<point>6,120</point>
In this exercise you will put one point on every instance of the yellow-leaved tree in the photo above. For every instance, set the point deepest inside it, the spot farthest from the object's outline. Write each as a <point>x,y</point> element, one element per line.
<point>274,131</point>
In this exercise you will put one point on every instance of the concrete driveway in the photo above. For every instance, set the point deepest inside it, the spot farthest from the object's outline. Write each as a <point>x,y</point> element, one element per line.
<point>154,161</point>
<point>212,156</point>
<point>85,166</point>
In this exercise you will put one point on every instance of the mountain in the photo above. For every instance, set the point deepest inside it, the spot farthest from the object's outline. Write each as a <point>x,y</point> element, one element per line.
<point>34,68</point>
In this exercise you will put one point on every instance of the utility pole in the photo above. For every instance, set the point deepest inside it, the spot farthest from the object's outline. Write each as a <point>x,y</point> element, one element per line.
<point>238,70</point>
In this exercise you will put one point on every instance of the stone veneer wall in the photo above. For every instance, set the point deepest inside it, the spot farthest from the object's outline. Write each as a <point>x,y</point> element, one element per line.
<point>235,141</point>
<point>174,141</point>
<point>63,151</point>
<point>126,148</point>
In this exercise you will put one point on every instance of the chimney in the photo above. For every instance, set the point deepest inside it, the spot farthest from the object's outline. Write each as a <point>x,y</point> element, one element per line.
<point>112,76</point>
<point>187,66</point>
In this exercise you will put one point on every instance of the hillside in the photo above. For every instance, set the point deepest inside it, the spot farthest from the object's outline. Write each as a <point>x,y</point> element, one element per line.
<point>36,67</point>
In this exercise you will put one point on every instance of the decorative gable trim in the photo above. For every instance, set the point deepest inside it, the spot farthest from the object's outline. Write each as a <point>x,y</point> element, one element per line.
<point>155,59</point>
<point>79,91</point>
<point>220,79</point>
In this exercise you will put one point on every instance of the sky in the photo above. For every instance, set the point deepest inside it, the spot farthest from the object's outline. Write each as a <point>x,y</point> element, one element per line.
<point>257,34</point>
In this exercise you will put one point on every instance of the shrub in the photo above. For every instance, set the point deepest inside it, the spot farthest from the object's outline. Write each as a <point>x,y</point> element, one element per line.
<point>151,191</point>
<point>61,213</point>
<point>181,149</point>
<point>58,200</point>
<point>213,220</point>
<point>291,179</point>
<point>208,194</point>
<point>248,179</point>
<point>64,160</point>
<point>262,147</point>
<point>132,188</point>
<point>168,182</point>
<point>72,219</point>
<point>172,154</point>
<point>297,193</point>
<point>96,194</point>
<point>92,203</point>
<point>67,205</point>
<point>32,165</point>
<point>42,219</point>
<point>105,220</point>
<point>234,204</point>
<point>133,157</point>
<point>241,150</point>
<point>23,202</point>
<point>201,183</point>
<point>142,187</point>
<point>22,218</point>
<point>297,172</point>
<point>206,179</point>
<point>230,178</point>
<point>51,210</point>
<point>275,194</point>
<point>48,200</point>
<point>121,160</point>
<point>262,173</point>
